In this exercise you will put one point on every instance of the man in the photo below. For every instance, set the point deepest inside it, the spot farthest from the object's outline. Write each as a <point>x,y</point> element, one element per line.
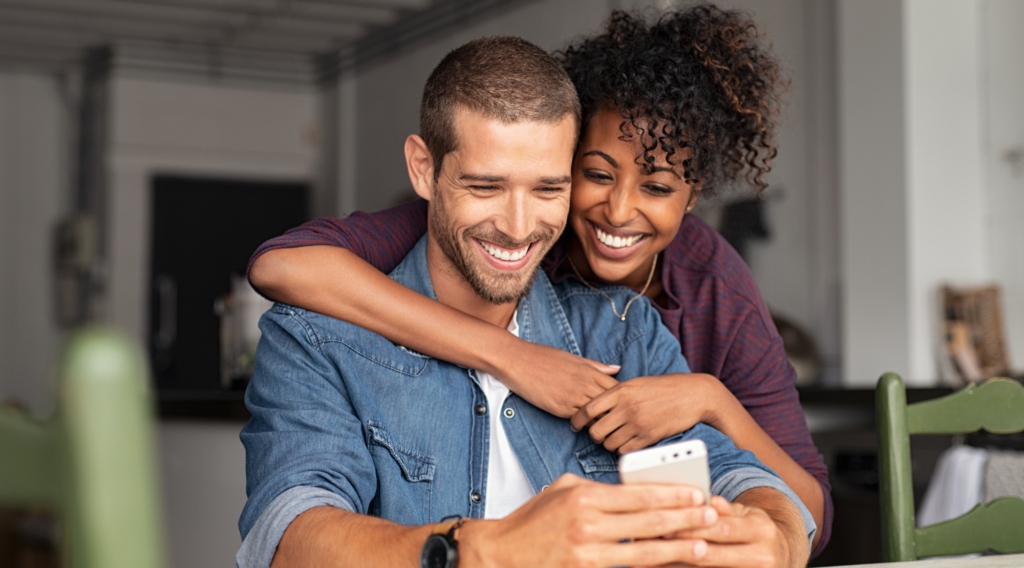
<point>358,448</point>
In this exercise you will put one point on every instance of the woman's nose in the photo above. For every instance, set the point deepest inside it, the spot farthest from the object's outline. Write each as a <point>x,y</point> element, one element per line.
<point>621,208</point>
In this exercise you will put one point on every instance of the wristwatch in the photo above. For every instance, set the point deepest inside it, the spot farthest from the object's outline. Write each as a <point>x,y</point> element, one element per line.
<point>442,547</point>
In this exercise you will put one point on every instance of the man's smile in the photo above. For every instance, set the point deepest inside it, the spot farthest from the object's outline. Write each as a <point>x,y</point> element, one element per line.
<point>505,258</point>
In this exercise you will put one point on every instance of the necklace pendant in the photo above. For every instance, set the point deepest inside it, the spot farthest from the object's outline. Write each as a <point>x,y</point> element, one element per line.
<point>623,318</point>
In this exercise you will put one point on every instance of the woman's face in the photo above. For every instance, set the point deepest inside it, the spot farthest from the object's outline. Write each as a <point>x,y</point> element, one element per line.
<point>622,215</point>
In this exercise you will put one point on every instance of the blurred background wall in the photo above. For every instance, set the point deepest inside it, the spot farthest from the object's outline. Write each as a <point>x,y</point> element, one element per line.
<point>899,169</point>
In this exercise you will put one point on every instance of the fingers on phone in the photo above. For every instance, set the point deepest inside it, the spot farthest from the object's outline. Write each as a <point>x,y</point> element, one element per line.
<point>657,552</point>
<point>728,530</point>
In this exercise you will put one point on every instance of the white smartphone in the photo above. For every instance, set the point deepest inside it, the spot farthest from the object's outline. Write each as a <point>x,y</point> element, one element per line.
<point>685,463</point>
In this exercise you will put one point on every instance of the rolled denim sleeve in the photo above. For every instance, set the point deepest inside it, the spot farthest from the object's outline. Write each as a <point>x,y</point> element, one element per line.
<point>734,471</point>
<point>304,431</point>
<point>261,543</point>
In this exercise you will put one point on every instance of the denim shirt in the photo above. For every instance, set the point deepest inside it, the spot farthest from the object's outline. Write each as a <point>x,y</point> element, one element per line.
<point>343,417</point>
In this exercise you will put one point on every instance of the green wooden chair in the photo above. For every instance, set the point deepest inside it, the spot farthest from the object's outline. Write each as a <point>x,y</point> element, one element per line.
<point>93,463</point>
<point>997,405</point>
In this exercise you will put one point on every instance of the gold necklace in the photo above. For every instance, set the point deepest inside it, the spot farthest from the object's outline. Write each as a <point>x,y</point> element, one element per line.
<point>626,309</point>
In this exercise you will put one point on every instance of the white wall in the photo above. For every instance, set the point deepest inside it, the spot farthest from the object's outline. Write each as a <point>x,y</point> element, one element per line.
<point>202,465</point>
<point>946,197</point>
<point>873,203</point>
<point>35,145</point>
<point>1003,147</point>
<point>199,129</point>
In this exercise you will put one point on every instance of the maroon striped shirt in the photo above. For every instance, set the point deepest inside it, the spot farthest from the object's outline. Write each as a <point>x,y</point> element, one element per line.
<point>714,309</point>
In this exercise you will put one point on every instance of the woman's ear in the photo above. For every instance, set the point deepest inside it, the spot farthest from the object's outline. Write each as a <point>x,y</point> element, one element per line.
<point>694,195</point>
<point>421,166</point>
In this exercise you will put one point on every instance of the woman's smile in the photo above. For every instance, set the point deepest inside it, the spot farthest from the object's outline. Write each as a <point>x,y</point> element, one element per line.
<point>615,244</point>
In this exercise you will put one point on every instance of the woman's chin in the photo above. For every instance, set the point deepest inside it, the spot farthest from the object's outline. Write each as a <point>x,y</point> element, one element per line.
<point>610,274</point>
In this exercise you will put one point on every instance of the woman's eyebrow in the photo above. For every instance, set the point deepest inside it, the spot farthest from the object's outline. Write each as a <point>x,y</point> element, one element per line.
<point>608,158</point>
<point>656,169</point>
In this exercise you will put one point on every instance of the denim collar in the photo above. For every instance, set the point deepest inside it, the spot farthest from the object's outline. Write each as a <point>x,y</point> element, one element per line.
<point>541,316</point>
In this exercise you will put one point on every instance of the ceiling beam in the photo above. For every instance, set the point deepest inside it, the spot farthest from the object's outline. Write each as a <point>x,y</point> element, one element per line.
<point>413,30</point>
<point>206,11</point>
<point>138,24</point>
<point>295,64</point>
<point>11,49</point>
<point>410,5</point>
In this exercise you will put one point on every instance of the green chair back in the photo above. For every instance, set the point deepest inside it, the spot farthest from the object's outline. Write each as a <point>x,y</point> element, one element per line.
<point>997,405</point>
<point>93,463</point>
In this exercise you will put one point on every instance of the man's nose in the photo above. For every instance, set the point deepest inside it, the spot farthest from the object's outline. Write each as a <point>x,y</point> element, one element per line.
<point>519,219</point>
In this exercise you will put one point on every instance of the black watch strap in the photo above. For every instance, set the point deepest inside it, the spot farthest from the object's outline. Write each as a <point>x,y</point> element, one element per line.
<point>442,547</point>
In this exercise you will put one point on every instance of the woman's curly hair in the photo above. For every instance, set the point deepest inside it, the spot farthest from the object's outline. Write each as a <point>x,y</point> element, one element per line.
<point>696,79</point>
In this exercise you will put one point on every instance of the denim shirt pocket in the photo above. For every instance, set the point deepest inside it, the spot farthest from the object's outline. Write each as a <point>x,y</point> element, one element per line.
<point>405,478</point>
<point>382,352</point>
<point>598,464</point>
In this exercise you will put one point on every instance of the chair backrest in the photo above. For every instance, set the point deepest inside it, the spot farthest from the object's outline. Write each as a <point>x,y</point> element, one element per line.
<point>997,405</point>
<point>93,462</point>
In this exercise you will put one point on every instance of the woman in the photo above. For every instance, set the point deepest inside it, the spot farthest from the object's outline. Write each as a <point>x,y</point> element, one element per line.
<point>670,111</point>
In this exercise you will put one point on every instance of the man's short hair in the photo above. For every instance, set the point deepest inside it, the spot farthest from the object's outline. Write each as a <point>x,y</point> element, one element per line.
<point>501,77</point>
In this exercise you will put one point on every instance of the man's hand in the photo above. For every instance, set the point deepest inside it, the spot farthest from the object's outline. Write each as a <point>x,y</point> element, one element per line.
<point>554,380</point>
<point>762,529</point>
<point>576,523</point>
<point>635,414</point>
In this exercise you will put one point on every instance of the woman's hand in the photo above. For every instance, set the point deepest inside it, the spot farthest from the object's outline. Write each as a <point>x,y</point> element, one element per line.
<point>554,380</point>
<point>635,414</point>
<point>762,528</point>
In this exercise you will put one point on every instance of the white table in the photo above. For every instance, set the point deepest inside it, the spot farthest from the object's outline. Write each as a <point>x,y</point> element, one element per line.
<point>1003,561</point>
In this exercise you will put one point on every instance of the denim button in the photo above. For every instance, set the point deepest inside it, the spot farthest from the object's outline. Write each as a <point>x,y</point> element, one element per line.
<point>480,409</point>
<point>476,496</point>
<point>509,413</point>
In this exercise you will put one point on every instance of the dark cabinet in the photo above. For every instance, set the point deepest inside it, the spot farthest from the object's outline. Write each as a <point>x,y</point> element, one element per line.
<point>203,232</point>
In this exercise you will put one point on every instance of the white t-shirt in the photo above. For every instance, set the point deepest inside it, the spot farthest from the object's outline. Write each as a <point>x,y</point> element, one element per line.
<point>507,486</point>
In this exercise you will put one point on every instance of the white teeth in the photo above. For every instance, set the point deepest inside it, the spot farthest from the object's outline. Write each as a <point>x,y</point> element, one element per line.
<point>617,242</point>
<point>504,254</point>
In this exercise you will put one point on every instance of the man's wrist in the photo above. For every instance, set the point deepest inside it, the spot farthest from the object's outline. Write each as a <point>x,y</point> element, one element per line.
<point>476,544</point>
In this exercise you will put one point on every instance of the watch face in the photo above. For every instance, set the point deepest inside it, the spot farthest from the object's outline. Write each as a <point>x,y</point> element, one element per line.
<point>437,553</point>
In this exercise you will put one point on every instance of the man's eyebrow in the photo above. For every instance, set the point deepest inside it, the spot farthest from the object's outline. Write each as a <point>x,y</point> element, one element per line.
<point>607,158</point>
<point>488,179</point>
<point>496,179</point>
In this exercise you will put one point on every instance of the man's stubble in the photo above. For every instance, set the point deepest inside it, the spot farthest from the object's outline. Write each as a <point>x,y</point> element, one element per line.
<point>495,288</point>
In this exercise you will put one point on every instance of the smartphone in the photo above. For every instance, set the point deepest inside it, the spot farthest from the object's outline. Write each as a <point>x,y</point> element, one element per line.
<point>685,463</point>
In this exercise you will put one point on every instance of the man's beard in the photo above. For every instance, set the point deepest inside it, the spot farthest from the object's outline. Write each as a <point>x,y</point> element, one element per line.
<point>491,285</point>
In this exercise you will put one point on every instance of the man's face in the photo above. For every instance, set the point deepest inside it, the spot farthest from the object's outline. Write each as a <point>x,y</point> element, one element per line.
<point>502,200</point>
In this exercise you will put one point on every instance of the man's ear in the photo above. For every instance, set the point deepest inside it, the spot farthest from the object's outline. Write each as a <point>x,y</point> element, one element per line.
<point>421,166</point>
